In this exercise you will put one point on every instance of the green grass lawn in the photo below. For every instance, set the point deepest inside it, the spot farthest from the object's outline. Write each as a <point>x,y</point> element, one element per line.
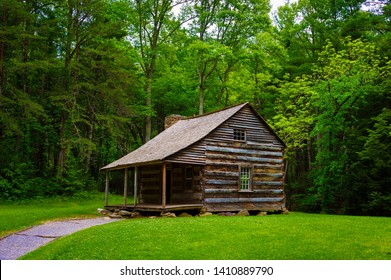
<point>17,216</point>
<point>296,236</point>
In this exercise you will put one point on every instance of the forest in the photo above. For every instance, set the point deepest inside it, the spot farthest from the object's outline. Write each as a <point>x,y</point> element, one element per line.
<point>83,83</point>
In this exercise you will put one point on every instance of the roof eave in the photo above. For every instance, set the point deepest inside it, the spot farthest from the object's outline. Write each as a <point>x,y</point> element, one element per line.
<point>136,164</point>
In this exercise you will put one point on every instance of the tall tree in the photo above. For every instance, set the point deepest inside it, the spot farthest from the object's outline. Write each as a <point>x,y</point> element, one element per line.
<point>65,88</point>
<point>220,30</point>
<point>346,80</point>
<point>152,27</point>
<point>306,26</point>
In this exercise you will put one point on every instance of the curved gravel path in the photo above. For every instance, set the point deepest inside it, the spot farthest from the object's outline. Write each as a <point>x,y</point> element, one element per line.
<point>20,243</point>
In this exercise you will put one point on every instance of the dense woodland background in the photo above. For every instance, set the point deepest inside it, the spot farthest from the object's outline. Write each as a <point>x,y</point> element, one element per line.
<point>85,82</point>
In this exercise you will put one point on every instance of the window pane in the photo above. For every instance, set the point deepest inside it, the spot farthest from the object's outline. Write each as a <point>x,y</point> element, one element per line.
<point>245,178</point>
<point>239,134</point>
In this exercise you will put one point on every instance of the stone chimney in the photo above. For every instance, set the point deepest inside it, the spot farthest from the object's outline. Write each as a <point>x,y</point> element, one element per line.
<point>172,119</point>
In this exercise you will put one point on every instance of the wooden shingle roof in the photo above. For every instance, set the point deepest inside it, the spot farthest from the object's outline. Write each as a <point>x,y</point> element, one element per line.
<point>175,138</point>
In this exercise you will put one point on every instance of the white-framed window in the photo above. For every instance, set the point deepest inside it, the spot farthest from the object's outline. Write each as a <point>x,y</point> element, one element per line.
<point>239,134</point>
<point>245,178</point>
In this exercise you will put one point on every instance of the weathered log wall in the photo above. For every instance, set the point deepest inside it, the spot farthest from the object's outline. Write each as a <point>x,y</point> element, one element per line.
<point>150,182</point>
<point>257,132</point>
<point>179,193</point>
<point>261,151</point>
<point>194,154</point>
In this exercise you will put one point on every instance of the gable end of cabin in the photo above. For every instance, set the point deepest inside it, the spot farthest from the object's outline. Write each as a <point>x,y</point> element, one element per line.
<point>244,166</point>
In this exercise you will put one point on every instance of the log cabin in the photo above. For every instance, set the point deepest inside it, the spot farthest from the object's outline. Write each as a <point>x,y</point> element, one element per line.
<point>228,160</point>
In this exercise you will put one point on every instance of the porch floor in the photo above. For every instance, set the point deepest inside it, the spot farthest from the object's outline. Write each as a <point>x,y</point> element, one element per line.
<point>155,207</point>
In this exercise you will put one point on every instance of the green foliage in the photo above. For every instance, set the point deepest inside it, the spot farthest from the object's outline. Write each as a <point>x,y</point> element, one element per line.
<point>378,164</point>
<point>19,182</point>
<point>84,82</point>
<point>294,117</point>
<point>379,204</point>
<point>310,203</point>
<point>346,78</point>
<point>379,140</point>
<point>68,87</point>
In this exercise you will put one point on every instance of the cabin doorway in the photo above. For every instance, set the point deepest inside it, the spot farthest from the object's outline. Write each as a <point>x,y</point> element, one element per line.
<point>168,186</point>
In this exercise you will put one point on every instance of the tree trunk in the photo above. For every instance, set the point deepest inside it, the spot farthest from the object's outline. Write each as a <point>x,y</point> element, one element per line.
<point>286,165</point>
<point>25,45</point>
<point>2,44</point>
<point>90,131</point>
<point>201,97</point>
<point>24,62</point>
<point>148,103</point>
<point>203,75</point>
<point>309,153</point>
<point>61,161</point>
<point>223,89</point>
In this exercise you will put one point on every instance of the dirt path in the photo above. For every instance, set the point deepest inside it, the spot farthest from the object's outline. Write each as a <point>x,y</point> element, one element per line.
<point>20,243</point>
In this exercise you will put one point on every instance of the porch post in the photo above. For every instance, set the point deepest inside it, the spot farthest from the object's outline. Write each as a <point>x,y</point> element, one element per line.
<point>164,187</point>
<point>135,186</point>
<point>107,189</point>
<point>125,185</point>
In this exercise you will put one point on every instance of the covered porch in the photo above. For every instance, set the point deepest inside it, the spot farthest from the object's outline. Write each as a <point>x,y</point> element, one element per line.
<point>159,187</point>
